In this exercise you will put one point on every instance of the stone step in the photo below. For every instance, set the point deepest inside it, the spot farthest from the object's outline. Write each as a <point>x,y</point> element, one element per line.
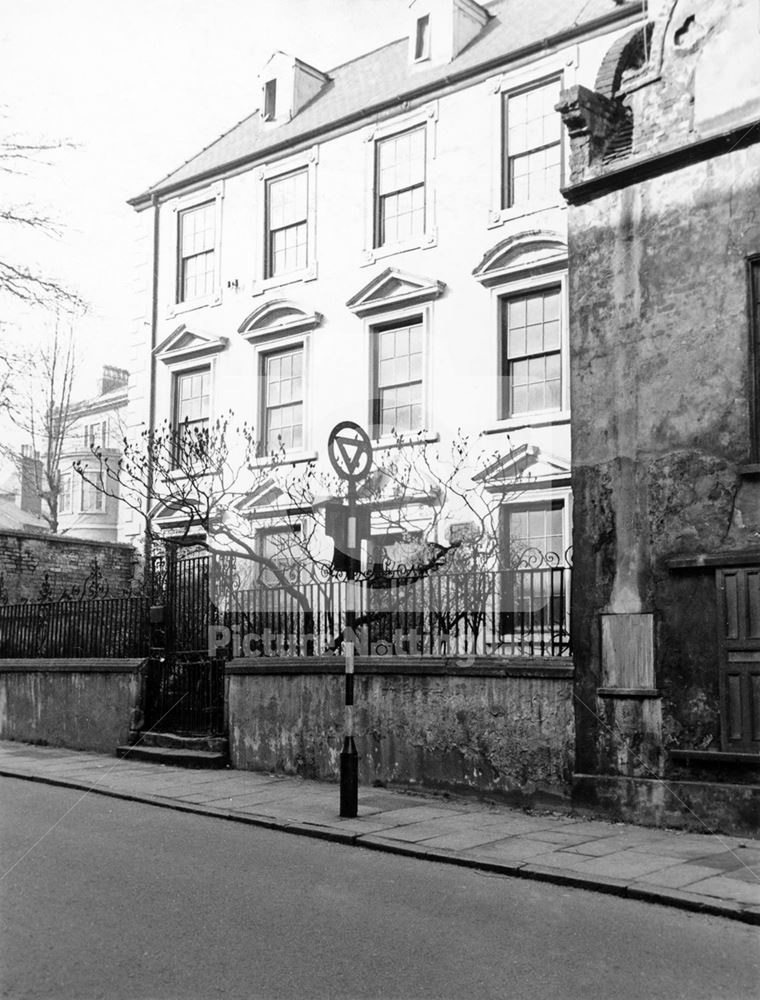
<point>173,741</point>
<point>174,756</point>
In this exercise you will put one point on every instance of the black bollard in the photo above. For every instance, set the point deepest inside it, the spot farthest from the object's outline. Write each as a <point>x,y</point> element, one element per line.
<point>349,779</point>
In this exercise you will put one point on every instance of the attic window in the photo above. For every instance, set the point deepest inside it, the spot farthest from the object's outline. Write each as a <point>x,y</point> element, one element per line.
<point>422,38</point>
<point>270,100</point>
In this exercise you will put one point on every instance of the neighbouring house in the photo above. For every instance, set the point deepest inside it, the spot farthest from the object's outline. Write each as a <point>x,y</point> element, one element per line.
<point>386,242</point>
<point>15,518</point>
<point>84,511</point>
<point>20,499</point>
<point>664,243</point>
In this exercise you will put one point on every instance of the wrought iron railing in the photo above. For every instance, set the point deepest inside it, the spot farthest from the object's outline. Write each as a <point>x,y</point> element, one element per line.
<point>522,612</point>
<point>515,612</point>
<point>184,693</point>
<point>108,628</point>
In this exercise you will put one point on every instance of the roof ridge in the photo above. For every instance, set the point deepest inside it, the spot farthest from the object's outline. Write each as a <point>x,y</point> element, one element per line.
<point>385,82</point>
<point>256,110</point>
<point>363,55</point>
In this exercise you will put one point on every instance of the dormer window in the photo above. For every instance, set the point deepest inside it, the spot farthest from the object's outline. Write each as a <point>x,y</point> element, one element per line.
<point>285,85</point>
<point>422,39</point>
<point>457,24</point>
<point>270,100</point>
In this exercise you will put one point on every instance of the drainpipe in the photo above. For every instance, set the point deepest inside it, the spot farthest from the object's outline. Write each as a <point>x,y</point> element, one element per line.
<point>147,571</point>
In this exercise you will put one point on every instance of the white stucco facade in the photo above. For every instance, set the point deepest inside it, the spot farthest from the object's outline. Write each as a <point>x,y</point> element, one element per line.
<point>473,252</point>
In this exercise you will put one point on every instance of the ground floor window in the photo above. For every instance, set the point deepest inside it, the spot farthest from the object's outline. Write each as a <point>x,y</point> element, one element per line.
<point>535,578</point>
<point>534,533</point>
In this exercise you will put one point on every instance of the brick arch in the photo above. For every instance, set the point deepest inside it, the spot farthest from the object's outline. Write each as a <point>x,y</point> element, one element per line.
<point>623,55</point>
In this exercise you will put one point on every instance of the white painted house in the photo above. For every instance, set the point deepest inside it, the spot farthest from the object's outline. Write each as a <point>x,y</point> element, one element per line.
<point>84,511</point>
<point>385,242</point>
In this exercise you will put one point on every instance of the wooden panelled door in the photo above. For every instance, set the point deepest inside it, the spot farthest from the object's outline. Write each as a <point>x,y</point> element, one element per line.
<point>739,680</point>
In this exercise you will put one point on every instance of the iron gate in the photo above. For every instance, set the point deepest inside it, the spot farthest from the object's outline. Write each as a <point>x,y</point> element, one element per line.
<point>185,686</point>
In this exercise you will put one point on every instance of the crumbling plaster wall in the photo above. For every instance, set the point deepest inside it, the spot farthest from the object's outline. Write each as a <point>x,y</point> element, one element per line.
<point>80,704</point>
<point>508,736</point>
<point>660,401</point>
<point>660,376</point>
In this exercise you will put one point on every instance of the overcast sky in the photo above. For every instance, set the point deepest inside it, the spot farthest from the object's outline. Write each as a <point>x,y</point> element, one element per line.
<point>139,87</point>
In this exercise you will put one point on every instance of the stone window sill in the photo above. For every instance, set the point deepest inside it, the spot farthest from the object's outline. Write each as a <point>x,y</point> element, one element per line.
<point>714,757</point>
<point>498,216</point>
<point>178,308</point>
<point>289,458</point>
<point>619,692</point>
<point>388,441</point>
<point>423,242</point>
<point>708,560</point>
<point>308,273</point>
<point>543,419</point>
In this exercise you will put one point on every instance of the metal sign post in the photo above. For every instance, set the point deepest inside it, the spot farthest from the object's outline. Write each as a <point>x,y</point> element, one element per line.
<point>350,452</point>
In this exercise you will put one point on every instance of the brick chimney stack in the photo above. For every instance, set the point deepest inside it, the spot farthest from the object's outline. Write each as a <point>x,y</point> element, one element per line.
<point>30,475</point>
<point>113,378</point>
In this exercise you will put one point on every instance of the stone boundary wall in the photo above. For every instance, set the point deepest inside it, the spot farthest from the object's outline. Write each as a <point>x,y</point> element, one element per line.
<point>503,730</point>
<point>698,806</point>
<point>79,704</point>
<point>25,558</point>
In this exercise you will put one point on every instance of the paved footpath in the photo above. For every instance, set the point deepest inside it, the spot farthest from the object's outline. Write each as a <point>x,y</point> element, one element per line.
<point>709,873</point>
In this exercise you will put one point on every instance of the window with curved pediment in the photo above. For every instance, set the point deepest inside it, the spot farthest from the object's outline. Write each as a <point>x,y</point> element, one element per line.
<point>530,251</point>
<point>527,275</point>
<point>280,333</point>
<point>531,352</point>
<point>278,318</point>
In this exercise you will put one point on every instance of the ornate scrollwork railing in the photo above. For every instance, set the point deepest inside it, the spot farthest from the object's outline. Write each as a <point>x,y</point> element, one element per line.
<point>94,587</point>
<point>535,558</point>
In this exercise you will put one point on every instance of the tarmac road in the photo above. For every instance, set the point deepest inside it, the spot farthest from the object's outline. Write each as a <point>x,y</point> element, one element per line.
<point>103,898</point>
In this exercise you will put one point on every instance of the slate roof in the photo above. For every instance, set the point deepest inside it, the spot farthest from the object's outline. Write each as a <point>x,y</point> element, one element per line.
<point>365,85</point>
<point>14,519</point>
<point>113,399</point>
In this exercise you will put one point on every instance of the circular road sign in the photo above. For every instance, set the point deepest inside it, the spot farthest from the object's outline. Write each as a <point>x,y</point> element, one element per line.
<point>349,450</point>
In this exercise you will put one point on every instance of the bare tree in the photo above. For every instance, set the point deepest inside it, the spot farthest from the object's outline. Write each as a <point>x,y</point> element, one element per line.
<point>444,568</point>
<point>40,406</point>
<point>10,364</point>
<point>207,487</point>
<point>18,280</point>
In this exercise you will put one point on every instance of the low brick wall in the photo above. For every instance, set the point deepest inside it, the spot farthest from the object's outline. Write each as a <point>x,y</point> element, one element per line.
<point>79,704</point>
<point>25,558</point>
<point>500,729</point>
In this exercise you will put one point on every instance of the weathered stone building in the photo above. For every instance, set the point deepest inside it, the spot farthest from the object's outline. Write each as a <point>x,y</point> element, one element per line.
<point>664,249</point>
